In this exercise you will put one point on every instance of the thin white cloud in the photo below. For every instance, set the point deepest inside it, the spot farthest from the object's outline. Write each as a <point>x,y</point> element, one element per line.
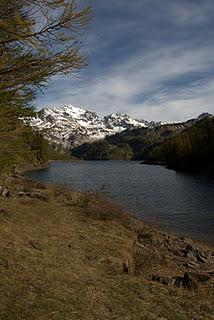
<point>185,12</point>
<point>182,104</point>
<point>145,75</point>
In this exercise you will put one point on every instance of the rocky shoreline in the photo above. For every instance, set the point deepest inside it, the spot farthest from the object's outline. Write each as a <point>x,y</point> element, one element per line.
<point>117,246</point>
<point>194,260</point>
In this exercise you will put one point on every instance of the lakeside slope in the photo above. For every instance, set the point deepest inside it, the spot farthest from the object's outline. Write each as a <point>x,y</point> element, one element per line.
<point>185,147</point>
<point>71,255</point>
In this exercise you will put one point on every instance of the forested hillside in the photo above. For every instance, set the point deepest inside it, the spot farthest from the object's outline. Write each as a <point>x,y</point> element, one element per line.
<point>191,150</point>
<point>184,146</point>
<point>132,144</point>
<point>20,144</point>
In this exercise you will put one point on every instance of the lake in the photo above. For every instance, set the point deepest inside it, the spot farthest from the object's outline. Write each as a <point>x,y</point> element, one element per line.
<point>175,202</point>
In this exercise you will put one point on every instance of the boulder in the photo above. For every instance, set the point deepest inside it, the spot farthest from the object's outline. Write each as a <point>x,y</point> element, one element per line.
<point>126,267</point>
<point>4,213</point>
<point>191,256</point>
<point>2,210</point>
<point>189,282</point>
<point>40,185</point>
<point>36,195</point>
<point>192,264</point>
<point>194,255</point>
<point>201,258</point>
<point>163,279</point>
<point>5,192</point>
<point>15,172</point>
<point>178,281</point>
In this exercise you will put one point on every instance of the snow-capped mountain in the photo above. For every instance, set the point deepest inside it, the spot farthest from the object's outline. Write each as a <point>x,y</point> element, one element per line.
<point>71,126</point>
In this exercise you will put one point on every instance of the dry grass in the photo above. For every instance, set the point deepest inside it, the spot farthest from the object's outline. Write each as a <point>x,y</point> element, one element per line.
<point>75,256</point>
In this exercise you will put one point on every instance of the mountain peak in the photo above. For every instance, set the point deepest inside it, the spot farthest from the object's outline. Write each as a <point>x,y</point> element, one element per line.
<point>71,126</point>
<point>204,115</point>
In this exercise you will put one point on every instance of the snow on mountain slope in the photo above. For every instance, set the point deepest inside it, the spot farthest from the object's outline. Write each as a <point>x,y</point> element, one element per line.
<point>71,126</point>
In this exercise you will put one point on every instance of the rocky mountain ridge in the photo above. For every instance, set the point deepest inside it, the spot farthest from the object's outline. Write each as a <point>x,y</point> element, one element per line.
<point>147,143</point>
<point>71,126</point>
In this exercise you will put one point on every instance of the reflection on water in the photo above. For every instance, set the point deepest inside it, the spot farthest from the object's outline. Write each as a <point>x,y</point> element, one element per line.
<point>177,202</point>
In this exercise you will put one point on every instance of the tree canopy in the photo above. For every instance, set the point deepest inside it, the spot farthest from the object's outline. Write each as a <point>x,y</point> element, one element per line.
<point>38,39</point>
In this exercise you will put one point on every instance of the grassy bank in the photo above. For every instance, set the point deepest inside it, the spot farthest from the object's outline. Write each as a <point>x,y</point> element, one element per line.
<point>70,255</point>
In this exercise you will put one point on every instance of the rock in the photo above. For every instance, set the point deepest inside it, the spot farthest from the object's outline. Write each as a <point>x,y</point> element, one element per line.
<point>156,277</point>
<point>162,279</point>
<point>188,251</point>
<point>189,282</point>
<point>5,192</point>
<point>126,267</point>
<point>166,281</point>
<point>191,256</point>
<point>41,186</point>
<point>200,258</point>
<point>194,255</point>
<point>210,273</point>
<point>189,248</point>
<point>16,173</point>
<point>15,170</point>
<point>178,281</point>
<point>35,195</point>
<point>4,213</point>
<point>185,240</point>
<point>192,265</point>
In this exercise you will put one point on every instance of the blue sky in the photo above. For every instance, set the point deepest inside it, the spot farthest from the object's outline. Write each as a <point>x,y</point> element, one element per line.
<point>152,59</point>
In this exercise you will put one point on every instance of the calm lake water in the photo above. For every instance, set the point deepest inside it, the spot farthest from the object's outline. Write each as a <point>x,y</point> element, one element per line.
<point>176,202</point>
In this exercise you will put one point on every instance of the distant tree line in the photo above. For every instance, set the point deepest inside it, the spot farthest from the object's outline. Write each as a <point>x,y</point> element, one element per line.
<point>190,149</point>
<point>131,144</point>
